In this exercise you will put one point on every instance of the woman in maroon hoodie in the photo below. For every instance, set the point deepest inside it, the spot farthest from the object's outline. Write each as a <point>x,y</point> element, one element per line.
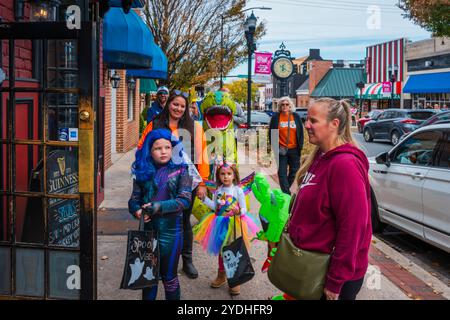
<point>331,213</point>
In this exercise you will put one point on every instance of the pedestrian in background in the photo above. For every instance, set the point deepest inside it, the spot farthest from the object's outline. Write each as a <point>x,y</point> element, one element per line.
<point>158,105</point>
<point>163,189</point>
<point>176,116</point>
<point>290,142</point>
<point>332,212</point>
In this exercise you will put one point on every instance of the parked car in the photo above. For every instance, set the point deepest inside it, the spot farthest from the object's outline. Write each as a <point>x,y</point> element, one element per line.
<point>411,186</point>
<point>269,112</point>
<point>303,113</point>
<point>392,124</point>
<point>372,115</point>
<point>441,117</point>
<point>258,120</point>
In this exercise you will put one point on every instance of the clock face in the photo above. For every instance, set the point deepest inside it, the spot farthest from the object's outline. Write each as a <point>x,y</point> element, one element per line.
<point>283,67</point>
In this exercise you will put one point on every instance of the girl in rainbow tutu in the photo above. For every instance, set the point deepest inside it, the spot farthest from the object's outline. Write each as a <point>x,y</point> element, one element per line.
<point>229,206</point>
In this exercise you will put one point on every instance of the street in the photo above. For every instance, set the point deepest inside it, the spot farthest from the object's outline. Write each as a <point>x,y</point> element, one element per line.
<point>432,259</point>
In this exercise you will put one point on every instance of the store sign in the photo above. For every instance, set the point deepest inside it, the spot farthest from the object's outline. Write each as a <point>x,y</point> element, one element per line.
<point>263,62</point>
<point>387,87</point>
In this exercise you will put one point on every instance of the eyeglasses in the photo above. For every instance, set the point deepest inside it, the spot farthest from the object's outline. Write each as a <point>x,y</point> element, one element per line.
<point>285,104</point>
<point>181,93</point>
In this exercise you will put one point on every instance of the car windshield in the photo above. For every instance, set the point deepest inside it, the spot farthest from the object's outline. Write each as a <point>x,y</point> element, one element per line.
<point>373,114</point>
<point>438,118</point>
<point>419,115</point>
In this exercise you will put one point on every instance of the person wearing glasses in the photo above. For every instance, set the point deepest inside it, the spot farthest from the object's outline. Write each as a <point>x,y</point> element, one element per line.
<point>158,105</point>
<point>290,142</point>
<point>175,116</point>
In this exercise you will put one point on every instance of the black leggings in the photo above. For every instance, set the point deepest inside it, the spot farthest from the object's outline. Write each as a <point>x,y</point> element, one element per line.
<point>350,289</point>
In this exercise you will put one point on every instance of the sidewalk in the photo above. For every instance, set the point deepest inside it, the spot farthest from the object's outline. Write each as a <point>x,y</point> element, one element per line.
<point>114,221</point>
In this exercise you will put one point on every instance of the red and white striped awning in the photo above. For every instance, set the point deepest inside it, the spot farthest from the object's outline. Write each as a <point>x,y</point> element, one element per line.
<point>374,91</point>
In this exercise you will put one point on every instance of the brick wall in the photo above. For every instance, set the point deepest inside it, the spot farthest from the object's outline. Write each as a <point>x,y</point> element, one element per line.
<point>318,70</point>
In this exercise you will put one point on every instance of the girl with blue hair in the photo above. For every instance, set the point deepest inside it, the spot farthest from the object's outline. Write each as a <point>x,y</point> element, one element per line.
<point>162,189</point>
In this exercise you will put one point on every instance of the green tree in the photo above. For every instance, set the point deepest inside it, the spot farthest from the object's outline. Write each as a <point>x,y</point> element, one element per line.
<point>433,15</point>
<point>238,90</point>
<point>189,33</point>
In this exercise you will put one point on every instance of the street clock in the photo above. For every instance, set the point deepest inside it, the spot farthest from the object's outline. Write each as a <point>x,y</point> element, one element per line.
<point>282,67</point>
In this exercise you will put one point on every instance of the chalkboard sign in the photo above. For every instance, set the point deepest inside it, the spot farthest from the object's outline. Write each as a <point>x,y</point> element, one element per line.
<point>63,214</point>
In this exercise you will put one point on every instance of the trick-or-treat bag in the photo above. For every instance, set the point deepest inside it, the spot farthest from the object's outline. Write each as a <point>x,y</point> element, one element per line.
<point>141,268</point>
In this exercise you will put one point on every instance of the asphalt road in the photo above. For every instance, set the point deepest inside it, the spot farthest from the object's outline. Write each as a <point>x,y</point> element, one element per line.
<point>433,260</point>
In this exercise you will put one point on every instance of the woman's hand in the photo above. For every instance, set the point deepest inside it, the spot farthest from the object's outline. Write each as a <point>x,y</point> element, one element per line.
<point>330,295</point>
<point>201,192</point>
<point>138,213</point>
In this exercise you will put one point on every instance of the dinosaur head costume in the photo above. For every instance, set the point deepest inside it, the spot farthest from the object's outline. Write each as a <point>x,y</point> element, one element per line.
<point>218,110</point>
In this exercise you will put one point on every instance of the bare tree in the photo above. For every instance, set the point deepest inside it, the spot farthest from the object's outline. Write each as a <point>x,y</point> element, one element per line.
<point>189,33</point>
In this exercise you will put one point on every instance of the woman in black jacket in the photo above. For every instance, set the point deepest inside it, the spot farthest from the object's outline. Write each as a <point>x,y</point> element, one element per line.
<point>290,142</point>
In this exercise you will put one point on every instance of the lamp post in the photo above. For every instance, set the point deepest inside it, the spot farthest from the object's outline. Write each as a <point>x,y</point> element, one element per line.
<point>222,20</point>
<point>392,79</point>
<point>250,27</point>
<point>131,84</point>
<point>360,85</point>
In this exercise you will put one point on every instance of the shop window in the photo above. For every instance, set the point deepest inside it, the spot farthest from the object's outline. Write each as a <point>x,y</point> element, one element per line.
<point>130,104</point>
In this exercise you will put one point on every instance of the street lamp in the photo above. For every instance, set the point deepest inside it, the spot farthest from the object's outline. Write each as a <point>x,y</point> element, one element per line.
<point>392,79</point>
<point>222,18</point>
<point>360,85</point>
<point>250,27</point>
<point>115,80</point>
<point>131,83</point>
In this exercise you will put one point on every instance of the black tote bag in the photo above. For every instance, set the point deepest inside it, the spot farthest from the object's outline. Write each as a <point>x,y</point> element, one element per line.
<point>236,260</point>
<point>141,268</point>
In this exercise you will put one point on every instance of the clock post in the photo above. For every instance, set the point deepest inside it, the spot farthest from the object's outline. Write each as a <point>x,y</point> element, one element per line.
<point>282,68</point>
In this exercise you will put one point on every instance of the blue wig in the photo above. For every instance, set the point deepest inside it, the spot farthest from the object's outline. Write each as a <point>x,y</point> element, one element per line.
<point>144,167</point>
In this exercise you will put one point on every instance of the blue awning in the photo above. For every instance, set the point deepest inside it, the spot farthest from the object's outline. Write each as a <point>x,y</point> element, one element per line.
<point>158,69</point>
<point>127,41</point>
<point>428,83</point>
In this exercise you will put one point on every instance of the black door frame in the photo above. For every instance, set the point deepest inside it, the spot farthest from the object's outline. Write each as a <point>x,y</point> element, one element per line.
<point>88,83</point>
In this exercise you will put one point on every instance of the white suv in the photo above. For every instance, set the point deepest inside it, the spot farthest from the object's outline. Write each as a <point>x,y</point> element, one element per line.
<point>411,186</point>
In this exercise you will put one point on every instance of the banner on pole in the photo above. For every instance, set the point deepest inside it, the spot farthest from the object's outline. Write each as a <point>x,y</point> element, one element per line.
<point>263,61</point>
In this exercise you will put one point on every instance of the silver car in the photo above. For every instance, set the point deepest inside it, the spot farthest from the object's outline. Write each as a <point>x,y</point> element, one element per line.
<point>411,186</point>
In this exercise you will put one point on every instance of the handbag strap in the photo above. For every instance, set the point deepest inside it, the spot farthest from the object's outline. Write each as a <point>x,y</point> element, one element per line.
<point>141,221</point>
<point>289,127</point>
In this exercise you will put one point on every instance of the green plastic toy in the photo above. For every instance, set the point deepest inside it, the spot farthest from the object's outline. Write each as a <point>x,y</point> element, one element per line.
<point>274,210</point>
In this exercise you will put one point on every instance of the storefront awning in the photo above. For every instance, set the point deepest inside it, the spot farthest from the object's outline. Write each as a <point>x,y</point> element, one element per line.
<point>147,86</point>
<point>158,69</point>
<point>127,41</point>
<point>428,83</point>
<point>374,91</point>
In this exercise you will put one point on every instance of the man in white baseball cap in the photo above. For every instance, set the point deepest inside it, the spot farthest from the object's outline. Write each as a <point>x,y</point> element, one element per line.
<point>158,105</point>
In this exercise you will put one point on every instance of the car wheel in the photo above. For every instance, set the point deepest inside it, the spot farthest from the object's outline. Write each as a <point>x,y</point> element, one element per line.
<point>395,137</point>
<point>377,225</point>
<point>367,135</point>
<point>359,128</point>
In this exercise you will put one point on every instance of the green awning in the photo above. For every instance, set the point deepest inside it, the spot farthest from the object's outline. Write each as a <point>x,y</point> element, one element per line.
<point>147,86</point>
<point>339,83</point>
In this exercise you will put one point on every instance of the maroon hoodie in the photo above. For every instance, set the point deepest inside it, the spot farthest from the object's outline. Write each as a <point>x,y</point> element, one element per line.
<point>332,210</point>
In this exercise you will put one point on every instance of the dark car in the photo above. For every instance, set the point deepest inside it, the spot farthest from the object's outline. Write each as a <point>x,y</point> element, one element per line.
<point>441,117</point>
<point>303,113</point>
<point>392,124</point>
<point>372,115</point>
<point>258,120</point>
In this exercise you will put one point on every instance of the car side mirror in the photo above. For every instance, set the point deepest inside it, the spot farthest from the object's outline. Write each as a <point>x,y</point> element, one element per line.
<point>383,158</point>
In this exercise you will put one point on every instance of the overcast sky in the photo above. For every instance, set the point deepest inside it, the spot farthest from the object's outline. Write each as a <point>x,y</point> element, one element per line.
<point>340,29</point>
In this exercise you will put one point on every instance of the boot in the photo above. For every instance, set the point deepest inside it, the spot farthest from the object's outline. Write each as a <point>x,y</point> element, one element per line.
<point>235,290</point>
<point>186,252</point>
<point>189,268</point>
<point>220,280</point>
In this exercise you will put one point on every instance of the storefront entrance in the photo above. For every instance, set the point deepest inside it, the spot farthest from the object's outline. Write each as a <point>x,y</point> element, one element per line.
<point>47,169</point>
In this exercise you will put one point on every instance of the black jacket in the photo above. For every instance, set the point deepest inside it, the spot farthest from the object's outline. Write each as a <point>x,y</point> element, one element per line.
<point>275,121</point>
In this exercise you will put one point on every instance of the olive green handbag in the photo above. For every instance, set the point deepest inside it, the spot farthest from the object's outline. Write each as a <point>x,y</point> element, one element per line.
<point>299,273</point>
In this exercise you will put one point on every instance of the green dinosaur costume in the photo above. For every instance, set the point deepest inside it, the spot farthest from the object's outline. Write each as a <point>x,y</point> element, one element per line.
<point>274,210</point>
<point>218,110</point>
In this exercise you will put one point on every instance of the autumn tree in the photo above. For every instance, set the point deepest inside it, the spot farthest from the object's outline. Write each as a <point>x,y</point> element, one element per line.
<point>433,15</point>
<point>238,90</point>
<point>189,33</point>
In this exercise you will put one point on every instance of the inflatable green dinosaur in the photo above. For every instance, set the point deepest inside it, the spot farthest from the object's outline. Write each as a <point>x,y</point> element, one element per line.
<point>218,110</point>
<point>274,210</point>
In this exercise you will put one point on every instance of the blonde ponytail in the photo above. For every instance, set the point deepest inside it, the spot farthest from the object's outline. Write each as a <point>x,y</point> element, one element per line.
<point>337,109</point>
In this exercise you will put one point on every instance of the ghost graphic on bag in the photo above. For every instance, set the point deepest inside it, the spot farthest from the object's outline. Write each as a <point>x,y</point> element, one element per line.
<point>231,262</point>
<point>149,274</point>
<point>136,270</point>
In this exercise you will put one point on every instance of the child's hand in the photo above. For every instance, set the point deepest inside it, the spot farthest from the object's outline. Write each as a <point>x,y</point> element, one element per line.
<point>201,192</point>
